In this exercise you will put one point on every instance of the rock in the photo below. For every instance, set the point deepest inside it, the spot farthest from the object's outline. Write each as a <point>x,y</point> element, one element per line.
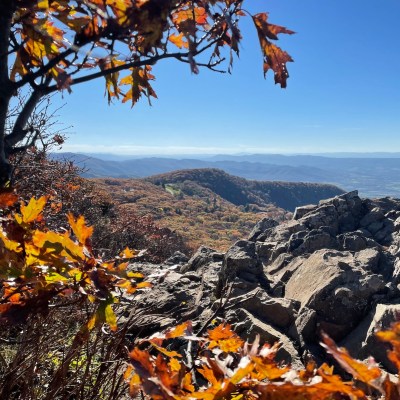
<point>261,227</point>
<point>300,212</point>
<point>331,283</point>
<point>281,233</point>
<point>362,342</point>
<point>368,259</point>
<point>325,215</point>
<point>240,261</point>
<point>375,216</point>
<point>280,313</point>
<point>384,235</point>
<point>177,258</point>
<point>316,239</point>
<point>248,326</point>
<point>265,249</point>
<point>203,256</point>
<point>326,269</point>
<point>304,329</point>
<point>280,262</point>
<point>352,241</point>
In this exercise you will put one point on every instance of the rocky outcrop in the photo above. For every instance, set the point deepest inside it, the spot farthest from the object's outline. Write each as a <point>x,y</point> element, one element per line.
<point>334,267</point>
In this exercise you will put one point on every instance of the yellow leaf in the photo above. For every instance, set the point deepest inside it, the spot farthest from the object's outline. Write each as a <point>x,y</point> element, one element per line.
<point>81,231</point>
<point>10,244</point>
<point>53,277</point>
<point>142,285</point>
<point>92,322</point>
<point>110,317</point>
<point>128,253</point>
<point>54,243</point>
<point>174,365</point>
<point>32,211</point>
<point>43,4</point>
<point>130,274</point>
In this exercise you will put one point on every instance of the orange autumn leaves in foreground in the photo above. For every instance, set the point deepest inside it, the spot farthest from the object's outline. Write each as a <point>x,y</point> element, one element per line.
<point>40,267</point>
<point>226,367</point>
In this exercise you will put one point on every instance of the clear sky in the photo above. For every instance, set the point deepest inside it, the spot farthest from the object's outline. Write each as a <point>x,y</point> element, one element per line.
<point>343,93</point>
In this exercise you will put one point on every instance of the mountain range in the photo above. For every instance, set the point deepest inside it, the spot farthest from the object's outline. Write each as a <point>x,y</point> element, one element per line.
<point>374,175</point>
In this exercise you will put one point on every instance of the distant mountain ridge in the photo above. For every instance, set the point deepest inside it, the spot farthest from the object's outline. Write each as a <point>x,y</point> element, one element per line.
<point>373,176</point>
<point>240,191</point>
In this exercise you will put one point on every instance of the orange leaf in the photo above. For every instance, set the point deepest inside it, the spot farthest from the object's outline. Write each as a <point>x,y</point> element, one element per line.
<point>224,338</point>
<point>81,231</point>
<point>165,351</point>
<point>208,373</point>
<point>274,57</point>
<point>179,330</point>
<point>7,199</point>
<point>177,40</point>
<point>359,370</point>
<point>128,253</point>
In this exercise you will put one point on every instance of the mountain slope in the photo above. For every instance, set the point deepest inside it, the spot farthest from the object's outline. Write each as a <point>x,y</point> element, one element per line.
<point>239,191</point>
<point>195,212</point>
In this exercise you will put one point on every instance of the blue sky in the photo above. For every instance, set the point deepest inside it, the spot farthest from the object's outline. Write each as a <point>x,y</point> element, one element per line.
<point>343,93</point>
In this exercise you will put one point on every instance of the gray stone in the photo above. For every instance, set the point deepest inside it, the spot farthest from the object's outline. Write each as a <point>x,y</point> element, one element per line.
<point>300,212</point>
<point>353,241</point>
<point>368,259</point>
<point>375,215</point>
<point>331,283</point>
<point>261,227</point>
<point>280,313</point>
<point>265,249</point>
<point>304,330</point>
<point>325,215</point>
<point>177,258</point>
<point>316,239</point>
<point>279,263</point>
<point>203,256</point>
<point>240,261</point>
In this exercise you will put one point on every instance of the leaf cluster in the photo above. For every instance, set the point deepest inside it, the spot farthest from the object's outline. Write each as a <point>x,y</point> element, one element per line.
<point>63,42</point>
<point>225,367</point>
<point>39,265</point>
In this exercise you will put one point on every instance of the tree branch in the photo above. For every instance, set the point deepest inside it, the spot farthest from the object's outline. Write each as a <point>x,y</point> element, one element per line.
<point>30,78</point>
<point>135,64</point>
<point>19,132</point>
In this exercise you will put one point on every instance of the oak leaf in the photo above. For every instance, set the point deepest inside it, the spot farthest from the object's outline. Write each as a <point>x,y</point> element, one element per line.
<point>32,211</point>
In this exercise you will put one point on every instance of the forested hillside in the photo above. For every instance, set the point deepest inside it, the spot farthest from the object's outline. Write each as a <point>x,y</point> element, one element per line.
<point>209,207</point>
<point>239,191</point>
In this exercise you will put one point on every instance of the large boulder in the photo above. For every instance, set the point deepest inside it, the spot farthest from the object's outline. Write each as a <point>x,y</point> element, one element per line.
<point>336,287</point>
